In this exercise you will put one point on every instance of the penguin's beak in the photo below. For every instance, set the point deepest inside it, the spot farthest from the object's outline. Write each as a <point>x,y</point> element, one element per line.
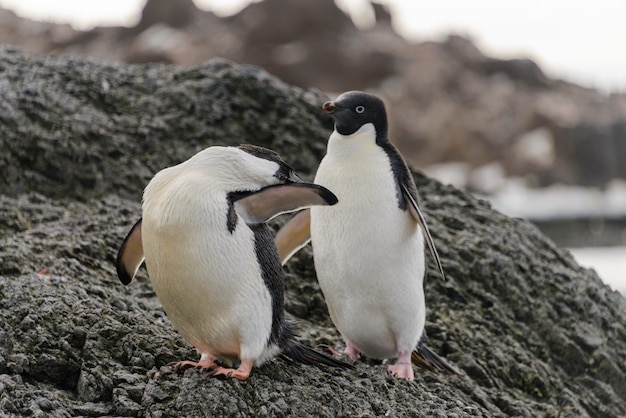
<point>329,107</point>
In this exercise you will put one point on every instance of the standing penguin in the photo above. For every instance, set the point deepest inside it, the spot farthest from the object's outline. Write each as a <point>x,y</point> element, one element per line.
<point>369,248</point>
<point>212,260</point>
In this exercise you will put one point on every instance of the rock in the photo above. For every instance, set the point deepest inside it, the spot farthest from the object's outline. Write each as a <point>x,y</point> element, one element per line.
<point>448,101</point>
<point>176,15</point>
<point>533,333</point>
<point>452,103</point>
<point>312,43</point>
<point>98,139</point>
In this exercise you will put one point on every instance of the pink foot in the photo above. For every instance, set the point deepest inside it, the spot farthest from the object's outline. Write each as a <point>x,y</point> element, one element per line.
<point>205,363</point>
<point>402,369</point>
<point>351,351</point>
<point>241,373</point>
<point>330,350</point>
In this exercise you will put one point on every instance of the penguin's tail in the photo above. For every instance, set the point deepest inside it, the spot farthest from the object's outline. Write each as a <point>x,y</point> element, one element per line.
<point>300,353</point>
<point>427,359</point>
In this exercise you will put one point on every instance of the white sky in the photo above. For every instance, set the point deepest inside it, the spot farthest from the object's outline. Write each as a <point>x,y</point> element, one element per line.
<point>583,42</point>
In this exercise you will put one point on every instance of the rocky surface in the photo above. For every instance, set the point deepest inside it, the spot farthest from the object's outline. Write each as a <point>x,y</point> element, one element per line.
<point>109,130</point>
<point>448,101</point>
<point>533,333</point>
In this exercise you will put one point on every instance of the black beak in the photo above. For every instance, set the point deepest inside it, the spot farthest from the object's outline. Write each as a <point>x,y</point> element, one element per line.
<point>329,107</point>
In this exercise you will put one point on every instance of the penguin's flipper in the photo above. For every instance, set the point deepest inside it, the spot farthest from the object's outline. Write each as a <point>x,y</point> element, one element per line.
<point>294,235</point>
<point>419,218</point>
<point>130,255</point>
<point>427,359</point>
<point>300,353</point>
<point>263,205</point>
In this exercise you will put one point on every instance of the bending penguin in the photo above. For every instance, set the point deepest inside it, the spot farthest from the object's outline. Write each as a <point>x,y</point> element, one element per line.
<point>212,260</point>
<point>369,248</point>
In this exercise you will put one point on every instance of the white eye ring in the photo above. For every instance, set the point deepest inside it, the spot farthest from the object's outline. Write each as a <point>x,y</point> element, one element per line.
<point>360,109</point>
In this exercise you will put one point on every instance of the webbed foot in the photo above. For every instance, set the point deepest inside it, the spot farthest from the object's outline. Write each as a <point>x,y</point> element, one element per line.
<point>402,369</point>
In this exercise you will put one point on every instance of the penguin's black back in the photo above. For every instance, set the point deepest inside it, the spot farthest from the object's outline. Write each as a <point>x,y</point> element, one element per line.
<point>274,279</point>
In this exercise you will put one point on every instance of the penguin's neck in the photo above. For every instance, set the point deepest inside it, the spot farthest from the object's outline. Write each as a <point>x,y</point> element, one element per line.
<point>354,147</point>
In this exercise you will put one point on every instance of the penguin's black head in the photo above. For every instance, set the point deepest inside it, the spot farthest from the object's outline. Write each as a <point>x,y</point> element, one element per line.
<point>354,109</point>
<point>284,172</point>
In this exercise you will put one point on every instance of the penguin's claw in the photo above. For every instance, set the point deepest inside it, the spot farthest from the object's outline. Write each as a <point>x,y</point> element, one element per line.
<point>204,364</point>
<point>401,370</point>
<point>351,351</point>
<point>227,373</point>
<point>330,349</point>
<point>182,365</point>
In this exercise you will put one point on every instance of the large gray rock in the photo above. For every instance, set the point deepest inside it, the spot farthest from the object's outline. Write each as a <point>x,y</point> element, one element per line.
<point>533,333</point>
<point>71,128</point>
<point>448,101</point>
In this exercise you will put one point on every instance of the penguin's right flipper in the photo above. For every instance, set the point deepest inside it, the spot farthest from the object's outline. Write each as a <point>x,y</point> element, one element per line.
<point>294,235</point>
<point>130,256</point>
<point>419,218</point>
<point>300,353</point>
<point>427,359</point>
<point>270,201</point>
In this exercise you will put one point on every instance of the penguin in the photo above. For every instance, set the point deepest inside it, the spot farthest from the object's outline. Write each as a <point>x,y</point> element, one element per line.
<point>368,249</point>
<point>212,260</point>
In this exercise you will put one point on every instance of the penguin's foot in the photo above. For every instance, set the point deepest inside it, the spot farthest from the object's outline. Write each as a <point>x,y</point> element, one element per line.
<point>402,369</point>
<point>241,373</point>
<point>296,351</point>
<point>205,363</point>
<point>350,351</point>
<point>330,349</point>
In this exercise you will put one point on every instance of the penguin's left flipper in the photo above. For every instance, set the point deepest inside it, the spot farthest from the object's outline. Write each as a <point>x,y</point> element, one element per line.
<point>293,235</point>
<point>419,218</point>
<point>270,201</point>
<point>130,256</point>
<point>301,353</point>
<point>427,359</point>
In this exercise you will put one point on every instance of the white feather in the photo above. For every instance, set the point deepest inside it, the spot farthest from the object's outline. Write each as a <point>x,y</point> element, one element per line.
<point>369,254</point>
<point>207,279</point>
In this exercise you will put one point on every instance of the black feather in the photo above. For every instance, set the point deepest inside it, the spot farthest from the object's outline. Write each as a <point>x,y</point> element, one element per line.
<point>273,277</point>
<point>301,353</point>
<point>282,331</point>
<point>427,359</point>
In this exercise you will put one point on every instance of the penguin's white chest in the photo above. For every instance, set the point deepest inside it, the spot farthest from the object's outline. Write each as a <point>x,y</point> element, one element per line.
<point>369,254</point>
<point>207,279</point>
